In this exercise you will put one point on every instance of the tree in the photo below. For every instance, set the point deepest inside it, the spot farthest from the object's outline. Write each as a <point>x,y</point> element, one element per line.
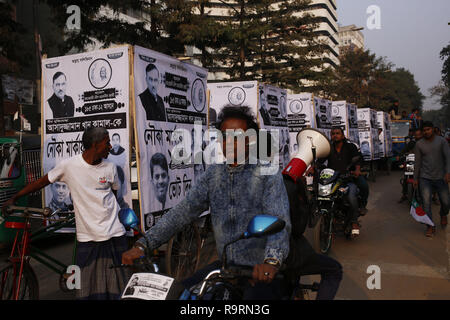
<point>368,80</point>
<point>156,25</point>
<point>268,40</point>
<point>442,93</point>
<point>13,56</point>
<point>357,72</point>
<point>288,51</point>
<point>202,31</point>
<point>12,53</point>
<point>402,86</point>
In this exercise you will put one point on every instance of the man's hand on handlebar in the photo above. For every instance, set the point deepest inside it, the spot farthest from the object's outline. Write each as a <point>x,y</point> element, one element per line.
<point>263,273</point>
<point>129,256</point>
<point>5,206</point>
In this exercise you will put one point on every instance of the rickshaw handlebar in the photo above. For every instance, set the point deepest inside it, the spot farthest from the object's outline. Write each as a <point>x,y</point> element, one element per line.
<point>38,213</point>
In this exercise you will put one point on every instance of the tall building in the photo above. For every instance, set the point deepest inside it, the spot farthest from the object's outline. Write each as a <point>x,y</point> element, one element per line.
<point>327,31</point>
<point>326,13</point>
<point>350,37</point>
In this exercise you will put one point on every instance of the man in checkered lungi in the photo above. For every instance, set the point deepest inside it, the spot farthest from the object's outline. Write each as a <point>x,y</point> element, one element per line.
<point>101,237</point>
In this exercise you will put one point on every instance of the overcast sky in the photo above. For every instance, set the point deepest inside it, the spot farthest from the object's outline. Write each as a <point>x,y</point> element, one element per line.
<point>412,34</point>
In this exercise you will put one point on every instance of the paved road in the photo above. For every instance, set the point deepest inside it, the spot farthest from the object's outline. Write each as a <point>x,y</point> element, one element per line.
<point>412,266</point>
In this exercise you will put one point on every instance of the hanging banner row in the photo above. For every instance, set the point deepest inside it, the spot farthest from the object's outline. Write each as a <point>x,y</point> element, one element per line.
<point>133,90</point>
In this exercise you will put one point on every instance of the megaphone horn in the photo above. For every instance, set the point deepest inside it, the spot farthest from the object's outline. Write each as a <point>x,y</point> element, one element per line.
<point>307,139</point>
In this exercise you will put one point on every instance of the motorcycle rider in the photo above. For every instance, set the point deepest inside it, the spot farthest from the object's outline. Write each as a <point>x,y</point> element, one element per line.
<point>234,193</point>
<point>341,155</point>
<point>409,148</point>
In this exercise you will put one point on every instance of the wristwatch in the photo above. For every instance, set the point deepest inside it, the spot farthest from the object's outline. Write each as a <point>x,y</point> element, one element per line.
<point>273,262</point>
<point>139,246</point>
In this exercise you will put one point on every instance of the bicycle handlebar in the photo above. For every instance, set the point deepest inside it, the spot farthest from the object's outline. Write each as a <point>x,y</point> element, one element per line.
<point>144,263</point>
<point>27,212</point>
<point>243,272</point>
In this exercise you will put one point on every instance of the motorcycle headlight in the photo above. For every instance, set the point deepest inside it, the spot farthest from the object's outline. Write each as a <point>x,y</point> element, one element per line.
<point>324,190</point>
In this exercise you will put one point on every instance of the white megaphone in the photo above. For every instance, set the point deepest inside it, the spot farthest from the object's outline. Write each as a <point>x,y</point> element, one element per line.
<point>309,141</point>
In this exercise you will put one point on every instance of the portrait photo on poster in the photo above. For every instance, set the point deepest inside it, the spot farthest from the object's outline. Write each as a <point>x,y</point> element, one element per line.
<point>159,172</point>
<point>60,103</point>
<point>100,73</point>
<point>60,197</point>
<point>152,103</point>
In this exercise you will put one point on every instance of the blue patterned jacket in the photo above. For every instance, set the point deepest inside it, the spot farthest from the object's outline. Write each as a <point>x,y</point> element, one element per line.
<point>234,195</point>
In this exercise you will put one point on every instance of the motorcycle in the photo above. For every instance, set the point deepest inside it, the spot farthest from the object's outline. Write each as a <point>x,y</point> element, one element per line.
<point>225,282</point>
<point>149,283</point>
<point>333,206</point>
<point>407,181</point>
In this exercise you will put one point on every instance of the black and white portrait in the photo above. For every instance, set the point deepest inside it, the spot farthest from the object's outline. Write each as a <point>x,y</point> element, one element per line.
<point>60,196</point>
<point>117,149</point>
<point>100,72</point>
<point>159,171</point>
<point>152,103</point>
<point>61,104</point>
<point>264,110</point>
<point>122,188</point>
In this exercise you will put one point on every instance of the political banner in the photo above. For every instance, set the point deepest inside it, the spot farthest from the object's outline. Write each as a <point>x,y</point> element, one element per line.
<point>322,111</point>
<point>272,115</point>
<point>81,91</point>
<point>239,93</point>
<point>385,135</point>
<point>169,95</point>
<point>368,134</point>
<point>344,115</point>
<point>300,115</point>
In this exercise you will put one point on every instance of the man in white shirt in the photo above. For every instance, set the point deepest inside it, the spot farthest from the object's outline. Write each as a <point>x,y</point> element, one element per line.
<point>100,235</point>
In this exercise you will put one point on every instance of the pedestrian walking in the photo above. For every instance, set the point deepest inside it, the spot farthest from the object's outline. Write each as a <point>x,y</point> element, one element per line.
<point>432,172</point>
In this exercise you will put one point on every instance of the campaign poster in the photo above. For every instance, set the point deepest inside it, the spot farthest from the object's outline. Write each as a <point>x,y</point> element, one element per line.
<point>323,117</point>
<point>344,115</point>
<point>300,115</point>
<point>272,115</point>
<point>385,135</point>
<point>168,95</point>
<point>388,134</point>
<point>375,134</point>
<point>242,93</point>
<point>80,91</point>
<point>221,94</point>
<point>368,134</point>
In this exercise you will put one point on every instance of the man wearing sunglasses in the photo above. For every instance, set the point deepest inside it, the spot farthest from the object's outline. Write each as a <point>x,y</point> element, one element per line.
<point>234,192</point>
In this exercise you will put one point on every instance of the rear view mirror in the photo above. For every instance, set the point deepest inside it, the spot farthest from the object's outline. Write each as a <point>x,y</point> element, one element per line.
<point>128,218</point>
<point>264,225</point>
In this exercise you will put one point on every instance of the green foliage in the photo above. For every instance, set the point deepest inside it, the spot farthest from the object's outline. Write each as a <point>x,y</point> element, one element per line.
<point>271,41</point>
<point>368,80</point>
<point>12,53</point>
<point>441,117</point>
<point>155,28</point>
